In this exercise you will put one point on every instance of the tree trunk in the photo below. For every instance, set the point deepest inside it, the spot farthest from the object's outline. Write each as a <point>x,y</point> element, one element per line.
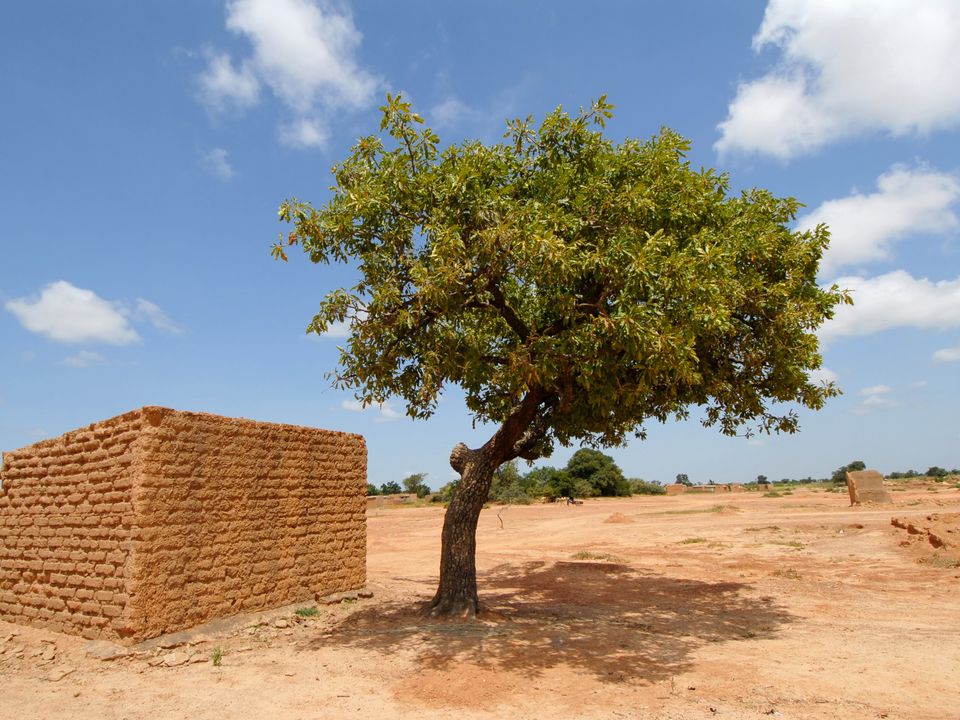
<point>457,591</point>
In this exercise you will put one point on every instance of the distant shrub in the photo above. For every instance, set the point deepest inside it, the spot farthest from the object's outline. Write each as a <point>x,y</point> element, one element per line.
<point>645,487</point>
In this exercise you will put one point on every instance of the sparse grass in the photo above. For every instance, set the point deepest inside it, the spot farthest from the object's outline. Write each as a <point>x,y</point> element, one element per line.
<point>691,541</point>
<point>788,573</point>
<point>789,543</point>
<point>590,555</point>
<point>216,657</point>
<point>758,528</point>
<point>696,511</point>
<point>939,561</point>
<point>311,611</point>
<point>773,493</point>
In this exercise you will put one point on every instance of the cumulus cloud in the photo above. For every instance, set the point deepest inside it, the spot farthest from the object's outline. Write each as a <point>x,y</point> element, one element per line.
<point>945,355</point>
<point>450,112</point>
<point>146,310</point>
<point>304,133</point>
<point>216,162</point>
<point>863,227</point>
<point>894,300</point>
<point>223,87</point>
<point>875,397</point>
<point>386,413</point>
<point>69,314</point>
<point>337,330</point>
<point>84,359</point>
<point>822,376</point>
<point>848,68</point>
<point>304,52</point>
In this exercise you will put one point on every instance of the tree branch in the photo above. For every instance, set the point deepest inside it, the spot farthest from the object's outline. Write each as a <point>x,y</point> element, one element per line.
<point>507,312</point>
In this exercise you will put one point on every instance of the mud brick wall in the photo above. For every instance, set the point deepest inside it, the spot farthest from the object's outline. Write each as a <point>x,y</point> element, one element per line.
<point>866,486</point>
<point>159,520</point>
<point>66,519</point>
<point>235,515</point>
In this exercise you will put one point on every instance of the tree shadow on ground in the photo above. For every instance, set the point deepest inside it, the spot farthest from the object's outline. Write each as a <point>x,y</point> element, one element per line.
<point>607,619</point>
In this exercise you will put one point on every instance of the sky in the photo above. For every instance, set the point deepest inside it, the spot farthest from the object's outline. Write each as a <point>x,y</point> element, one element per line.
<point>145,148</point>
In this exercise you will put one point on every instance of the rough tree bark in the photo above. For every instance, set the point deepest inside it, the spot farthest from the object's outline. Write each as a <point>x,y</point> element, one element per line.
<point>457,591</point>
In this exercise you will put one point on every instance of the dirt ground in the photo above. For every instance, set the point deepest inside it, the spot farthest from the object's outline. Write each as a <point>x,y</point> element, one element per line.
<point>685,607</point>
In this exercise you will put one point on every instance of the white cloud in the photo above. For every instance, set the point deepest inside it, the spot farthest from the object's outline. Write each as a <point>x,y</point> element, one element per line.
<point>894,300</point>
<point>216,162</point>
<point>450,112</point>
<point>69,314</point>
<point>943,355</point>
<point>337,330</point>
<point>822,376</point>
<point>84,359</point>
<point>864,227</point>
<point>304,133</point>
<point>222,87</point>
<point>386,412</point>
<point>304,51</point>
<point>846,68</point>
<point>146,310</point>
<point>875,397</point>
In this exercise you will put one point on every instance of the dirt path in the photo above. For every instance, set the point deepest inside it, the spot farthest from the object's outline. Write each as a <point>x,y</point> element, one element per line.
<point>732,606</point>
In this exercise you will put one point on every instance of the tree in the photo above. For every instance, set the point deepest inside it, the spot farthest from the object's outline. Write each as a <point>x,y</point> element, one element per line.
<point>508,485</point>
<point>840,474</point>
<point>639,486</point>
<point>761,478</point>
<point>599,471</point>
<point>683,479</point>
<point>372,489</point>
<point>550,482</point>
<point>415,484</point>
<point>573,287</point>
<point>390,488</point>
<point>936,472</point>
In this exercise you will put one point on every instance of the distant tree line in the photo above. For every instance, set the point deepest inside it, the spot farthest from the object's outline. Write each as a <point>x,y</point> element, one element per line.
<point>591,473</point>
<point>413,484</point>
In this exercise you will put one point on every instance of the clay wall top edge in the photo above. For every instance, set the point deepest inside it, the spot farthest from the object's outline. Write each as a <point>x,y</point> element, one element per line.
<point>864,474</point>
<point>159,412</point>
<point>67,436</point>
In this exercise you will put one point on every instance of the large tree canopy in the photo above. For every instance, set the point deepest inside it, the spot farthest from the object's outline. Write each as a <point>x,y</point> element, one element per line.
<point>574,287</point>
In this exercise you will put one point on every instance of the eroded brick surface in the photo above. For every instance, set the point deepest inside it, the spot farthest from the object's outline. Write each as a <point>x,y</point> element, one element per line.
<point>157,520</point>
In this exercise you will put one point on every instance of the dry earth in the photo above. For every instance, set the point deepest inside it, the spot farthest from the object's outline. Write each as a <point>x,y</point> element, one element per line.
<point>716,606</point>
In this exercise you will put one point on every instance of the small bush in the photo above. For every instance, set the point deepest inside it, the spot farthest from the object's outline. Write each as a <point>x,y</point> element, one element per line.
<point>645,487</point>
<point>308,611</point>
<point>773,493</point>
<point>589,555</point>
<point>216,657</point>
<point>692,540</point>
<point>788,573</point>
<point>940,562</point>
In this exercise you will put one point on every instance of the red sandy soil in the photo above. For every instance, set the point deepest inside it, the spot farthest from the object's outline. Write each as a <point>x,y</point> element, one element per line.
<point>684,607</point>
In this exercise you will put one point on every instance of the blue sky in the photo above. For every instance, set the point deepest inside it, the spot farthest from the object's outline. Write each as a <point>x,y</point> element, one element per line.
<point>145,147</point>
